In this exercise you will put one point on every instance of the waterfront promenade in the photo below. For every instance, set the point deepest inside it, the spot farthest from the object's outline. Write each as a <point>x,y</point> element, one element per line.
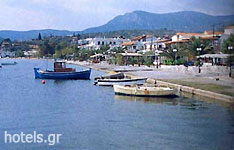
<point>211,78</point>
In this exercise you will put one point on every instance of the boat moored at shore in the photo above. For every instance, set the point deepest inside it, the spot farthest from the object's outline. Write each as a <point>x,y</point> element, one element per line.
<point>119,75</point>
<point>9,63</point>
<point>143,91</point>
<point>111,82</point>
<point>61,72</point>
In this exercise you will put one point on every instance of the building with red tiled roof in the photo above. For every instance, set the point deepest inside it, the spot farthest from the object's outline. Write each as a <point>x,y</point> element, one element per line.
<point>229,30</point>
<point>143,38</point>
<point>206,35</point>
<point>185,36</point>
<point>128,43</point>
<point>230,27</point>
<point>216,33</point>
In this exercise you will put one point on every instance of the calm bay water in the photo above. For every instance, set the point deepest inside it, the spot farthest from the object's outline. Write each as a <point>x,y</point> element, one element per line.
<point>92,118</point>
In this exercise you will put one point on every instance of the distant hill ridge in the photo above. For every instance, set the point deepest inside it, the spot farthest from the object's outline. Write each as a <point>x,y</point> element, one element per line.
<point>32,34</point>
<point>185,21</point>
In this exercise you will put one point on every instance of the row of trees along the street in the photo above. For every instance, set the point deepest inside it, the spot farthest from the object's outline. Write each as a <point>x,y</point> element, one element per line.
<point>62,48</point>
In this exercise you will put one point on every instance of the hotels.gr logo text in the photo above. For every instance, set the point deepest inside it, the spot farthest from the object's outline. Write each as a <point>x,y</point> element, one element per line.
<point>51,139</point>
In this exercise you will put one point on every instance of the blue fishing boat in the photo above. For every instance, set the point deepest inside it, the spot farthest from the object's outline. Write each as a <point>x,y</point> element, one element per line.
<point>61,72</point>
<point>9,63</point>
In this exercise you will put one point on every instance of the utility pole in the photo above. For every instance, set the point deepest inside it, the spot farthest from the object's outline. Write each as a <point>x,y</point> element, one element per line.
<point>213,36</point>
<point>151,44</point>
<point>199,59</point>
<point>230,62</point>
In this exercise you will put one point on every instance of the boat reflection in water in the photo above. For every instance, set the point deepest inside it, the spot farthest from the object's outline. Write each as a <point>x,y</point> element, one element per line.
<point>181,102</point>
<point>169,101</point>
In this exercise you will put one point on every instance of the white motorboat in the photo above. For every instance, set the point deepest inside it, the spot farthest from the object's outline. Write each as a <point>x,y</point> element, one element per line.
<point>111,82</point>
<point>134,90</point>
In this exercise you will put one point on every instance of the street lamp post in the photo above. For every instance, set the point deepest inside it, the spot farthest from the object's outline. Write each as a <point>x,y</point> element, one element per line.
<point>230,63</point>
<point>175,51</point>
<point>156,55</point>
<point>199,59</point>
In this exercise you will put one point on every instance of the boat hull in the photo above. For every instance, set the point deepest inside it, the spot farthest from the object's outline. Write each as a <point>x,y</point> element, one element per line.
<point>85,75</point>
<point>144,91</point>
<point>111,82</point>
<point>111,76</point>
<point>7,64</point>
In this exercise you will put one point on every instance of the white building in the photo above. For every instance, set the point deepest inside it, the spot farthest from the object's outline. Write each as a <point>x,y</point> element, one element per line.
<point>145,43</point>
<point>96,43</point>
<point>229,30</point>
<point>131,46</point>
<point>30,53</point>
<point>4,53</point>
<point>157,44</point>
<point>181,37</point>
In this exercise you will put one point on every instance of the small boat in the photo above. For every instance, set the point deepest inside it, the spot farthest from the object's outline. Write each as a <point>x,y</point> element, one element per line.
<point>111,82</point>
<point>61,72</point>
<point>143,91</point>
<point>9,63</point>
<point>119,75</point>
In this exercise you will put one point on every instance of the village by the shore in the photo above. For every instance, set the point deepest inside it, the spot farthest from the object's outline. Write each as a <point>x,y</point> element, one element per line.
<point>198,60</point>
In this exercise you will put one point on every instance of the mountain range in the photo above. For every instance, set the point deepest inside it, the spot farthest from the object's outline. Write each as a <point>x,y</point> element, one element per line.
<point>185,21</point>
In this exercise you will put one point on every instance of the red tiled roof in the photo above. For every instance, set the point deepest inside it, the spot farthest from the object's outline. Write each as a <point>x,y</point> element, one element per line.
<point>211,32</point>
<point>208,38</point>
<point>174,42</point>
<point>230,27</point>
<point>162,41</point>
<point>189,34</point>
<point>128,43</point>
<point>141,37</point>
<point>138,38</point>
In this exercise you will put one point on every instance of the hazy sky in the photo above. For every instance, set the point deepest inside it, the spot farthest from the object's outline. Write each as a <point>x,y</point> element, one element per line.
<point>80,14</point>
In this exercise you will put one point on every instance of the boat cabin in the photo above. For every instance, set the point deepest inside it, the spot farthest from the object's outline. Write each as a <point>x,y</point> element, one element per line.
<point>60,66</point>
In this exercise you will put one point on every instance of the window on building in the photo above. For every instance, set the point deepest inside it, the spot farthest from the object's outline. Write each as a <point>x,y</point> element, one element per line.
<point>98,42</point>
<point>103,43</point>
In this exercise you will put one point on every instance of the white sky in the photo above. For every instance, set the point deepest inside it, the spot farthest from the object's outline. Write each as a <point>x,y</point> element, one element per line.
<point>81,14</point>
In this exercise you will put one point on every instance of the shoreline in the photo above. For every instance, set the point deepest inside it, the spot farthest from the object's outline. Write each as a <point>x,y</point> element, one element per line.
<point>180,88</point>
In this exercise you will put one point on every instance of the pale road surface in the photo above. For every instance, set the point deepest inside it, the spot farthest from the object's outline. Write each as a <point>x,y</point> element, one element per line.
<point>208,73</point>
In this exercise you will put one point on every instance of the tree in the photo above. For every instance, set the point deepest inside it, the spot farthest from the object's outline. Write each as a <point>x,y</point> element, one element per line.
<point>19,53</point>
<point>119,59</point>
<point>132,60</point>
<point>148,61</point>
<point>46,49</point>
<point>58,54</point>
<point>169,52</point>
<point>226,43</point>
<point>188,50</point>
<point>39,36</point>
